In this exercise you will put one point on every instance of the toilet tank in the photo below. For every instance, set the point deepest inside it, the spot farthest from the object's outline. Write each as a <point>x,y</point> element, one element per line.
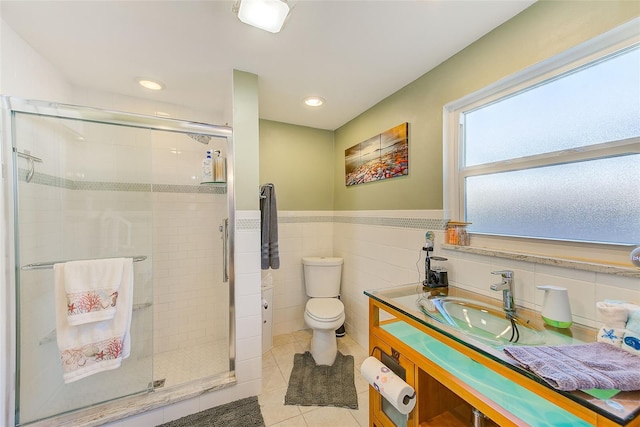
<point>322,276</point>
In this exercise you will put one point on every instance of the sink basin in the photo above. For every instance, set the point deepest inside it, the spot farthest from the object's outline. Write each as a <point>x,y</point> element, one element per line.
<point>482,321</point>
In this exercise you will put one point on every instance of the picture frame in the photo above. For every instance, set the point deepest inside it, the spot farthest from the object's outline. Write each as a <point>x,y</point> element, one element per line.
<point>381,157</point>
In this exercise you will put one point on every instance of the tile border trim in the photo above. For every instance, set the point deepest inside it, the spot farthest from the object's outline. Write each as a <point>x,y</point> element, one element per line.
<point>384,221</point>
<point>401,221</point>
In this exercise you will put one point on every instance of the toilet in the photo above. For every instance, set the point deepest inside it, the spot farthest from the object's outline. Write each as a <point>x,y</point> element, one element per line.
<point>324,312</point>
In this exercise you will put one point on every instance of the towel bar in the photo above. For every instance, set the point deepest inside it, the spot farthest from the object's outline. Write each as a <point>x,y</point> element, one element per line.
<point>45,265</point>
<point>52,336</point>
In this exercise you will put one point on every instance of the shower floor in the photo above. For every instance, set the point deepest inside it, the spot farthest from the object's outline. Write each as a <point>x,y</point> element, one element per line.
<point>191,363</point>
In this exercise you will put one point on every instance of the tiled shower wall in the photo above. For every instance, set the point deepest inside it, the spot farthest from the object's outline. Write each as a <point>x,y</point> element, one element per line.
<point>191,303</point>
<point>383,249</point>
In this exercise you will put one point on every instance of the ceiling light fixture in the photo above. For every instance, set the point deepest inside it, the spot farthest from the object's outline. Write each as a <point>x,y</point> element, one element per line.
<point>268,15</point>
<point>150,84</point>
<point>313,101</point>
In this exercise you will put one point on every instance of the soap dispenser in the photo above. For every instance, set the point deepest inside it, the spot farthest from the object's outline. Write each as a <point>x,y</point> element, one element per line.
<point>219,169</point>
<point>556,310</point>
<point>207,168</point>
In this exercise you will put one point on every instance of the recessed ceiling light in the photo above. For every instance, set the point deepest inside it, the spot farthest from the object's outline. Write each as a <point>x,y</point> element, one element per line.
<point>150,84</point>
<point>313,101</point>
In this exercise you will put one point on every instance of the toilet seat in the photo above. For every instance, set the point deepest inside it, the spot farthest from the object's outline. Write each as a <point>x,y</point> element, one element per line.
<point>324,309</point>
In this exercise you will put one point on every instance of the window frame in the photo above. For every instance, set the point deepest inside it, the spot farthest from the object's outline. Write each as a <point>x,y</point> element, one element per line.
<point>624,37</point>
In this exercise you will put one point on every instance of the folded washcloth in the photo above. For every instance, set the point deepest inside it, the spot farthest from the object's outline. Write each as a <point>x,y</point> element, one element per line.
<point>92,288</point>
<point>628,305</point>
<point>611,336</point>
<point>613,314</point>
<point>581,367</point>
<point>633,324</point>
<point>93,347</point>
<point>631,342</point>
<point>631,339</point>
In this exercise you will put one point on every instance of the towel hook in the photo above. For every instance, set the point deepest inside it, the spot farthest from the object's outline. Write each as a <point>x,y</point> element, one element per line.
<point>262,188</point>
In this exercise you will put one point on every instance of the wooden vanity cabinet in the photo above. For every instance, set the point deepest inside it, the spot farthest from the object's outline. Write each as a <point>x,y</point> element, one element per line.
<point>437,405</point>
<point>453,382</point>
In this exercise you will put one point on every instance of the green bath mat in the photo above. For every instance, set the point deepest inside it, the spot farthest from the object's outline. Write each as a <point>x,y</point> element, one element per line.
<point>321,385</point>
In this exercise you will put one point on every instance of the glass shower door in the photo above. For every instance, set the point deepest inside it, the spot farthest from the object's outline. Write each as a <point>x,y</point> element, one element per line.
<point>83,191</point>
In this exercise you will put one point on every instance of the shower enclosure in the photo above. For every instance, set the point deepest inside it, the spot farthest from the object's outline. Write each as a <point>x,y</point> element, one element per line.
<point>94,184</point>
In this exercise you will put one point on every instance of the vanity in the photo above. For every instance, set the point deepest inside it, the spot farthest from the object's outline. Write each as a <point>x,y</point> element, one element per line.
<point>464,379</point>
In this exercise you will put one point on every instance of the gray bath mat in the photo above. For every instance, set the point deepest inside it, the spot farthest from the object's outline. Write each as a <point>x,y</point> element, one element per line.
<point>321,385</point>
<point>241,413</point>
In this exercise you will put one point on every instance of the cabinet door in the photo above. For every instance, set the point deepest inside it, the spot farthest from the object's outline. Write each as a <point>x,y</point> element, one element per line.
<point>381,412</point>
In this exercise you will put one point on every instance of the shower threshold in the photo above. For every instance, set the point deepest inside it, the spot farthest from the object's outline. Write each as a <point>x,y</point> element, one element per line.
<point>133,405</point>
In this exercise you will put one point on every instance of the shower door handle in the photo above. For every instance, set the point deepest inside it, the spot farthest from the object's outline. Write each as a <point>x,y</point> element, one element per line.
<point>224,228</point>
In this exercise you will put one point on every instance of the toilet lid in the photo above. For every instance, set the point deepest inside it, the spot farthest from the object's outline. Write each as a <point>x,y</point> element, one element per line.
<point>325,309</point>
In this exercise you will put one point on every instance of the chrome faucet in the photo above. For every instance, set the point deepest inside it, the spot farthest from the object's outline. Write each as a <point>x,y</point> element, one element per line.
<point>506,286</point>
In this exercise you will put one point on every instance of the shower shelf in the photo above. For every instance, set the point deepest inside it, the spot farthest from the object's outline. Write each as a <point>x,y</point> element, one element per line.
<point>217,183</point>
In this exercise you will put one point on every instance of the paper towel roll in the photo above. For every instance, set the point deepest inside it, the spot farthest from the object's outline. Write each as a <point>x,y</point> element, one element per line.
<point>400,394</point>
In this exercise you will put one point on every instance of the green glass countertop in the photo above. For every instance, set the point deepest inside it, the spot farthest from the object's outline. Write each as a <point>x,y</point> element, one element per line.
<point>620,407</point>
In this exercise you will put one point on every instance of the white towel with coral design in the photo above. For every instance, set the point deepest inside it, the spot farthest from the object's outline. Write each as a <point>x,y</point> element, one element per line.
<point>97,346</point>
<point>92,288</point>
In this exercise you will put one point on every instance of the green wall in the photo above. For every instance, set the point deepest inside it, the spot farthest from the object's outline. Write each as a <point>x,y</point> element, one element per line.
<point>298,160</point>
<point>541,31</point>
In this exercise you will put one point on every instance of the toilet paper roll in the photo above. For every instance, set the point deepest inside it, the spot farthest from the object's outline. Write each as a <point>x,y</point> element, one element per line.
<point>400,394</point>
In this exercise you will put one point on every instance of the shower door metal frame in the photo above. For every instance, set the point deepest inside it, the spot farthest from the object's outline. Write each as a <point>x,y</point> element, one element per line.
<point>8,157</point>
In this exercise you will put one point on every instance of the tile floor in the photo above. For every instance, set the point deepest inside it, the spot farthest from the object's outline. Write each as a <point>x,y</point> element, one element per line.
<point>276,369</point>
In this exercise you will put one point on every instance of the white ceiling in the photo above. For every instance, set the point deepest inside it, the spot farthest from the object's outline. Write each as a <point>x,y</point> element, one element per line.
<point>352,53</point>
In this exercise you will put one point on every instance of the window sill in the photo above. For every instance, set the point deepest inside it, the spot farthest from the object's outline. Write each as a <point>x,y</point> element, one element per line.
<point>614,269</point>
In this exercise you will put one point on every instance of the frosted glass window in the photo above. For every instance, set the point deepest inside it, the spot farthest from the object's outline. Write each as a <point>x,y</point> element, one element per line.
<point>597,103</point>
<point>592,201</point>
<point>554,153</point>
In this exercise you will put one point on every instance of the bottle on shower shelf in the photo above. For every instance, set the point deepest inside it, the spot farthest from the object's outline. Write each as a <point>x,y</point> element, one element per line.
<point>207,168</point>
<point>219,169</point>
